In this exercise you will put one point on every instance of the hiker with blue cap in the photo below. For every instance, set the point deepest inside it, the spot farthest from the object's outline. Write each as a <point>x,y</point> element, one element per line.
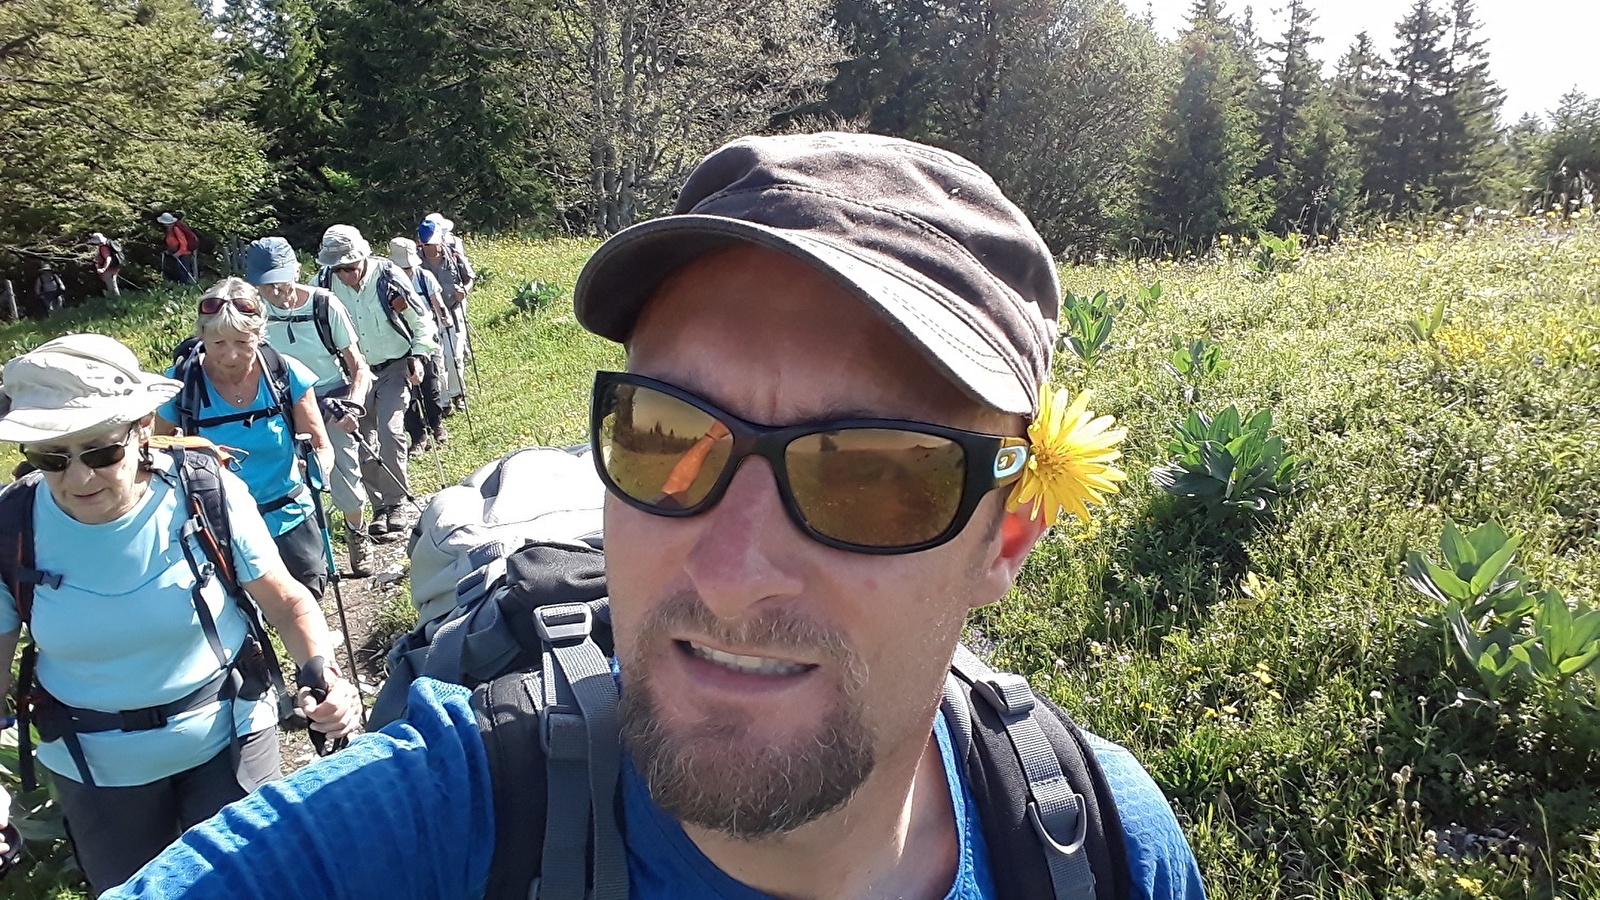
<point>445,258</point>
<point>144,575</point>
<point>834,437</point>
<point>312,326</point>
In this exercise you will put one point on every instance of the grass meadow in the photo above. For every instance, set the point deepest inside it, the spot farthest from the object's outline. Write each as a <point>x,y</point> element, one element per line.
<point>1318,730</point>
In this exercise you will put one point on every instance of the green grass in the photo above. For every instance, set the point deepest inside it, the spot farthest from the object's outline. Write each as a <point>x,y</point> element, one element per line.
<point>1272,674</point>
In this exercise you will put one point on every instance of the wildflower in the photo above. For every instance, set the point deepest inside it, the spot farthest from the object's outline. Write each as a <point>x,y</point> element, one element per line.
<point>1070,458</point>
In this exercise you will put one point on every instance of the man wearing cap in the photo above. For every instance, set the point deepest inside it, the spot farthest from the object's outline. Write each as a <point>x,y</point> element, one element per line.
<point>182,245</point>
<point>425,416</point>
<point>444,258</point>
<point>874,320</point>
<point>396,335</point>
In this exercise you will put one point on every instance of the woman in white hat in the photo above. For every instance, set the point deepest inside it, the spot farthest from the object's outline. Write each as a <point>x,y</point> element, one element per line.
<point>153,703</point>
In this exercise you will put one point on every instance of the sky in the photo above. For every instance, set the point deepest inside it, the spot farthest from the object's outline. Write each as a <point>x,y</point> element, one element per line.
<point>1538,49</point>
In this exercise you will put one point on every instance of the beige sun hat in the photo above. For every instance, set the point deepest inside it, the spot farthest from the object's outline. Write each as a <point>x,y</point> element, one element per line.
<point>342,245</point>
<point>403,253</point>
<point>76,384</point>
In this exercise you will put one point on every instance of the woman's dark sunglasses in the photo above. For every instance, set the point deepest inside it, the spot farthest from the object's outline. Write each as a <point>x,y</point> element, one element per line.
<point>210,306</point>
<point>94,457</point>
<point>865,485</point>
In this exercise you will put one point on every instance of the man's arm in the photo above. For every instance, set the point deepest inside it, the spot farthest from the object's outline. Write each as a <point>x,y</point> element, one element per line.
<point>403,814</point>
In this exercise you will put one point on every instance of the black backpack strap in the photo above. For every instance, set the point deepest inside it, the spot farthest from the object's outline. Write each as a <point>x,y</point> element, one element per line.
<point>1048,815</point>
<point>320,320</point>
<point>552,738</point>
<point>21,577</point>
<point>192,396</point>
<point>392,286</point>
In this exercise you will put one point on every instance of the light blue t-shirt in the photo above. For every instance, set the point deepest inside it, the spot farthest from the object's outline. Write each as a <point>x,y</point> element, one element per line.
<point>121,632</point>
<point>407,813</point>
<point>263,448</point>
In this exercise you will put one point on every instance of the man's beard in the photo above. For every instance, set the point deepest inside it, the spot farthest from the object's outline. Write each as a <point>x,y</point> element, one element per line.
<point>713,773</point>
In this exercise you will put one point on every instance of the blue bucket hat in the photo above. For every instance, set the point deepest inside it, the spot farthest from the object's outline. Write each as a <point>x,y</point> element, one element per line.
<point>271,260</point>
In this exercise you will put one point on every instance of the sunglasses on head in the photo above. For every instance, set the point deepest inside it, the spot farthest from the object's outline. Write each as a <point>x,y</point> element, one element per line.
<point>210,306</point>
<point>864,485</point>
<point>94,457</point>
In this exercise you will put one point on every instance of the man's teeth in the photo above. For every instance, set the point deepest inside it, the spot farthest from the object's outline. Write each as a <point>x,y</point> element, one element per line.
<point>753,665</point>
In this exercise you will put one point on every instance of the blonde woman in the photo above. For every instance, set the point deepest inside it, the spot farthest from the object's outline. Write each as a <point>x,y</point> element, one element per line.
<point>153,694</point>
<point>240,394</point>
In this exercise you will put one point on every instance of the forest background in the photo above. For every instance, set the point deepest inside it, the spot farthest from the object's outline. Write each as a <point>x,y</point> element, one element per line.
<point>566,117</point>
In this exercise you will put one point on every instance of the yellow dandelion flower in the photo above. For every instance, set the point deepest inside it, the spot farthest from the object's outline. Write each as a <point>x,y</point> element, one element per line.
<point>1070,458</point>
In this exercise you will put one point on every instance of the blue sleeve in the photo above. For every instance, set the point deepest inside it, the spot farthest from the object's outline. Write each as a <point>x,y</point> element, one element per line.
<point>254,550</point>
<point>301,379</point>
<point>1160,864</point>
<point>403,814</point>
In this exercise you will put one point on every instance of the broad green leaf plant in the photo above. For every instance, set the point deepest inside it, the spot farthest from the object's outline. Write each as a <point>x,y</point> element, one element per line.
<point>1512,637</point>
<point>1229,464</point>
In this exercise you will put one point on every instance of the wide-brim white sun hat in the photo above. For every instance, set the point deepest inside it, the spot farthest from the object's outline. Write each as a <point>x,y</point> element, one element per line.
<point>76,384</point>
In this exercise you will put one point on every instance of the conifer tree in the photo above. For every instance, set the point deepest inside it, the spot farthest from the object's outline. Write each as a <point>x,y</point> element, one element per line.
<point>1404,168</point>
<point>1468,149</point>
<point>1360,85</point>
<point>1198,172</point>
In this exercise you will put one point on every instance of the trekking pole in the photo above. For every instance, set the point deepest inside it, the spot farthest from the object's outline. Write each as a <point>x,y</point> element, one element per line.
<point>456,346</point>
<point>372,449</point>
<point>433,445</point>
<point>472,358</point>
<point>334,576</point>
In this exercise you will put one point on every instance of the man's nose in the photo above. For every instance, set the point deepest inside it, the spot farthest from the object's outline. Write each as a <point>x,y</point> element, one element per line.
<point>744,546</point>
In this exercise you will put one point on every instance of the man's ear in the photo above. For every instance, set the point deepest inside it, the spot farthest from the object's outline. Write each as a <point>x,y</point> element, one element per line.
<point>1017,534</point>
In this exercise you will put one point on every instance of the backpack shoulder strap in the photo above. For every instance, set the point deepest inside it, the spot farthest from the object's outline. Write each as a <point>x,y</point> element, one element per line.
<point>276,368</point>
<point>16,545</point>
<point>1049,818</point>
<point>565,713</point>
<point>391,285</point>
<point>320,319</point>
<point>192,396</point>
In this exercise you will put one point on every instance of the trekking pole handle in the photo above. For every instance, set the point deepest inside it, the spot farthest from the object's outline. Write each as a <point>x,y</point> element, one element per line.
<point>313,676</point>
<point>13,855</point>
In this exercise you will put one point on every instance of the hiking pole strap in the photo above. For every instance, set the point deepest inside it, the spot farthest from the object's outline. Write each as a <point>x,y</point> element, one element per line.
<point>581,732</point>
<point>1058,814</point>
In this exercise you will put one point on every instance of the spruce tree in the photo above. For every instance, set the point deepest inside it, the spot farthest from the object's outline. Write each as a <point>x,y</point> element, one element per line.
<point>1359,90</point>
<point>1468,150</point>
<point>1198,172</point>
<point>1406,165</point>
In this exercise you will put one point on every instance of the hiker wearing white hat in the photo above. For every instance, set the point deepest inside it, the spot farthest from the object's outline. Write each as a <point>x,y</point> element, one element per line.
<point>183,247</point>
<point>49,290</point>
<point>425,419</point>
<point>153,706</point>
<point>107,262</point>
<point>396,334</point>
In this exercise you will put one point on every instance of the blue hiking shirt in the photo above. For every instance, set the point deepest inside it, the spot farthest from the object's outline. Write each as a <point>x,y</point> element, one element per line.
<point>406,814</point>
<point>121,631</point>
<point>267,462</point>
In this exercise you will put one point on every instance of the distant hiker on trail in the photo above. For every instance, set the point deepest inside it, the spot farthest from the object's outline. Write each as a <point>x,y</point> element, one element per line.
<point>396,334</point>
<point>311,325</point>
<point>241,394</point>
<point>153,689</point>
<point>444,256</point>
<point>425,415</point>
<point>49,290</point>
<point>183,245</point>
<point>838,360</point>
<point>108,261</point>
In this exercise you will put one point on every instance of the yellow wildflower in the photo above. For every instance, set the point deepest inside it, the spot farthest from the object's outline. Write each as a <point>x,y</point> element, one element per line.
<point>1069,461</point>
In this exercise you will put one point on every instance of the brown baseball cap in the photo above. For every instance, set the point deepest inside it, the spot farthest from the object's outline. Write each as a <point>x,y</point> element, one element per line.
<point>924,237</point>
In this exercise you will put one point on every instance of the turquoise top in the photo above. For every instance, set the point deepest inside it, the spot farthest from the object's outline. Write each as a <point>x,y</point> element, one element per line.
<point>121,632</point>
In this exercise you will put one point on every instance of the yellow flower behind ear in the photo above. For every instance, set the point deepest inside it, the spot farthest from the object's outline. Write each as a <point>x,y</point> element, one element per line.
<point>1070,458</point>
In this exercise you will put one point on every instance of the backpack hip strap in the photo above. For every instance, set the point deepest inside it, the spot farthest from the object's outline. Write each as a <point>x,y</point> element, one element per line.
<point>275,505</point>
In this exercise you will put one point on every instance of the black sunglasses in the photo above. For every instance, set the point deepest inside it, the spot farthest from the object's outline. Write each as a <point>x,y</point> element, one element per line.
<point>210,306</point>
<point>347,268</point>
<point>94,457</point>
<point>864,485</point>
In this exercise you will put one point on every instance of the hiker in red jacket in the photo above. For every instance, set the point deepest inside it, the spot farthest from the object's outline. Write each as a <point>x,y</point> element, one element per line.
<point>182,245</point>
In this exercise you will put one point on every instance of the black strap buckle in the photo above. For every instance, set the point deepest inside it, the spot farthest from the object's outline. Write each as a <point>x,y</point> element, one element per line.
<point>147,719</point>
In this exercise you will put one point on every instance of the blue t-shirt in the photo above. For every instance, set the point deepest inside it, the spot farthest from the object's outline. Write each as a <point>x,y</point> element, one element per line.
<point>264,455</point>
<point>121,631</point>
<point>407,814</point>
